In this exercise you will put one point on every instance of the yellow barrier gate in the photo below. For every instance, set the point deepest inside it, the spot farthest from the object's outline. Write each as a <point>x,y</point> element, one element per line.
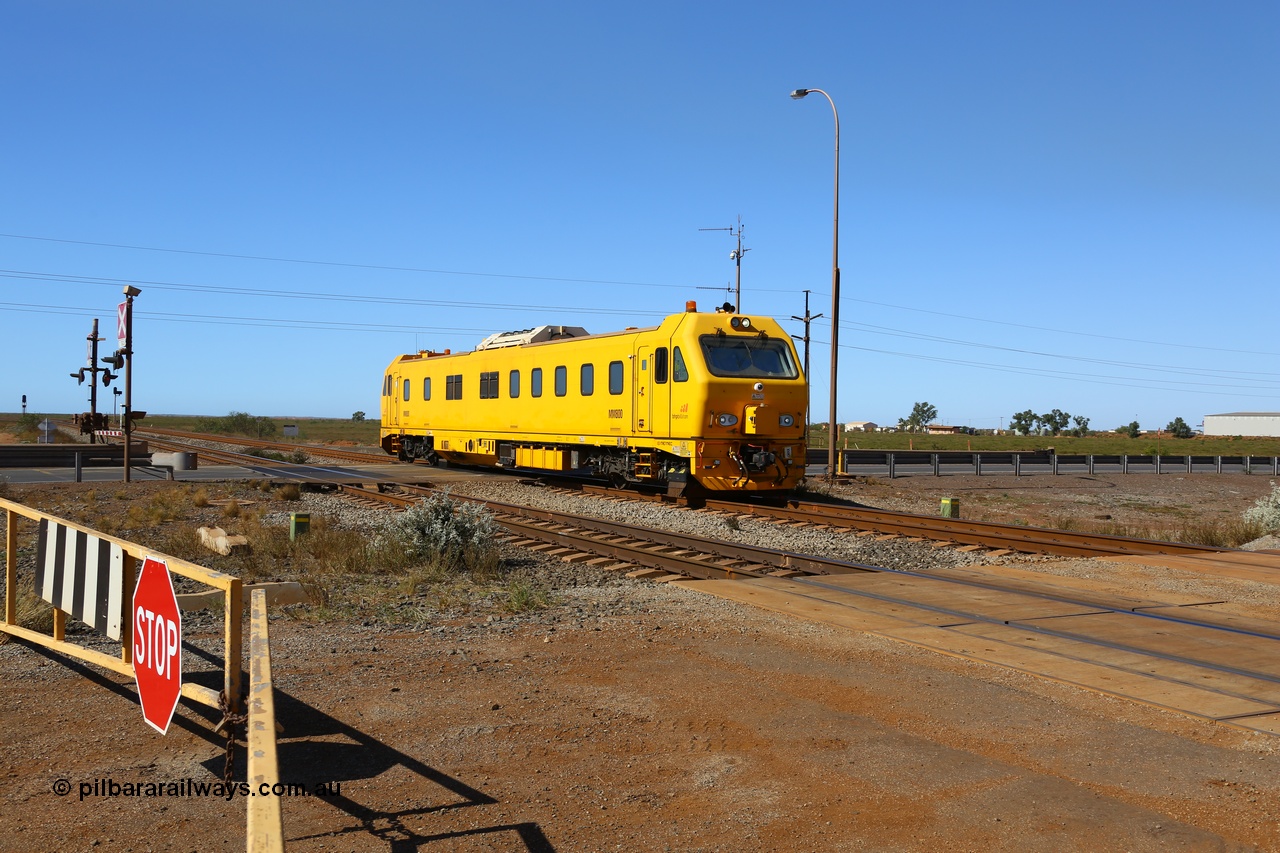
<point>265,824</point>
<point>91,575</point>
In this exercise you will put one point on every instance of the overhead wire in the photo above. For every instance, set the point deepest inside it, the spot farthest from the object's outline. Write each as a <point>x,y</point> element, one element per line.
<point>365,298</point>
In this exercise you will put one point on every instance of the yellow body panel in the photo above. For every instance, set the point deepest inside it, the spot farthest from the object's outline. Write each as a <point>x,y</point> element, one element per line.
<point>614,394</point>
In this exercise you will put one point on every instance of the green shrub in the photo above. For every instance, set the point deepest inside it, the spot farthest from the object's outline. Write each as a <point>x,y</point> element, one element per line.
<point>440,532</point>
<point>1266,512</point>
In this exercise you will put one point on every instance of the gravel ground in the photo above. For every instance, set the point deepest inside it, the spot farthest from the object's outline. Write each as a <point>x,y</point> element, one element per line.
<point>636,716</point>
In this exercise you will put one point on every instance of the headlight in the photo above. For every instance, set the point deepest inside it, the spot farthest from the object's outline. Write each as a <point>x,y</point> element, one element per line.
<point>786,420</point>
<point>727,419</point>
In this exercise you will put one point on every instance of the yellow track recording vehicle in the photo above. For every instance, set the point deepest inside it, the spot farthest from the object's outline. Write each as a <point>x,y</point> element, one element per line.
<point>711,401</point>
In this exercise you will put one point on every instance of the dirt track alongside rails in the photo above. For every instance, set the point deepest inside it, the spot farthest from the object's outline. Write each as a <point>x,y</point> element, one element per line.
<point>633,716</point>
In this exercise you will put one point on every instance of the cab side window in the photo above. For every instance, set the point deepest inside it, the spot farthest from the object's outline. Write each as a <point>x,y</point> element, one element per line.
<point>660,365</point>
<point>679,372</point>
<point>406,390</point>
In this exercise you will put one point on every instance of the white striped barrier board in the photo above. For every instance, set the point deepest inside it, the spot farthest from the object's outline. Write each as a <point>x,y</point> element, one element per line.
<point>90,576</point>
<point>81,574</point>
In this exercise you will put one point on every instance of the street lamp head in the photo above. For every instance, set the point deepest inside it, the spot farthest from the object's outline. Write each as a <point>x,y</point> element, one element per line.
<point>799,93</point>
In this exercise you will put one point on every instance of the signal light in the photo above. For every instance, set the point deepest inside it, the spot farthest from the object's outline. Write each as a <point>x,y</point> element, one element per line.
<point>115,360</point>
<point>78,376</point>
<point>136,415</point>
<point>107,376</point>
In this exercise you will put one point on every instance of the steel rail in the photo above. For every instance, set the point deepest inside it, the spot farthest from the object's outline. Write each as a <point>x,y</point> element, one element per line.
<point>621,541</point>
<point>585,533</point>
<point>985,533</point>
<point>314,449</point>
<point>1085,639</point>
<point>591,533</point>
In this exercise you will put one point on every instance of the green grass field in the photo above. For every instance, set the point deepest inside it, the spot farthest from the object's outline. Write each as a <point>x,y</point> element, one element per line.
<point>314,430</point>
<point>1098,444</point>
<point>320,430</point>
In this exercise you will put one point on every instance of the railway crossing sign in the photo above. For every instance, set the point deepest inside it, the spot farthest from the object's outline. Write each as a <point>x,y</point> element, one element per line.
<point>122,322</point>
<point>157,644</point>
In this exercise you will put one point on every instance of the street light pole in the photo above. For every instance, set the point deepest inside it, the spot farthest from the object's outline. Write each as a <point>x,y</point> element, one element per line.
<point>835,286</point>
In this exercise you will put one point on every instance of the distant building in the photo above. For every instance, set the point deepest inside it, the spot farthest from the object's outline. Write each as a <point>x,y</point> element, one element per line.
<point>939,429</point>
<point>860,426</point>
<point>1243,423</point>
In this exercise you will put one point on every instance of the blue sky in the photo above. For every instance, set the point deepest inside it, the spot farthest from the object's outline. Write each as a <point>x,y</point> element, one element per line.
<point>1043,205</point>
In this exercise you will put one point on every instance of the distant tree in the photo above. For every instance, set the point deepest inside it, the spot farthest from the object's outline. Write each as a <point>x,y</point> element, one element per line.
<point>238,423</point>
<point>1081,427</point>
<point>1056,421</point>
<point>1023,422</point>
<point>357,416</point>
<point>1178,428</point>
<point>922,414</point>
<point>1131,429</point>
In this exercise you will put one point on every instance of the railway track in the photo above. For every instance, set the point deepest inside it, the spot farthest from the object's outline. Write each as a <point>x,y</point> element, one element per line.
<point>862,521</point>
<point>1192,655</point>
<point>1195,655</point>
<point>965,535</point>
<point>284,447</point>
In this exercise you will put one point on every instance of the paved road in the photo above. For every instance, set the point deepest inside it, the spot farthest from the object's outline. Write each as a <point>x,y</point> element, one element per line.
<point>322,473</point>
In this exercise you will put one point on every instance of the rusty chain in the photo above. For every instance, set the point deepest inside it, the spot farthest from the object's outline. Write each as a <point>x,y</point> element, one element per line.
<point>233,722</point>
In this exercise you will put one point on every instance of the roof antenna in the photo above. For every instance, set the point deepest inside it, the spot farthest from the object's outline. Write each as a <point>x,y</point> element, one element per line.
<point>736,257</point>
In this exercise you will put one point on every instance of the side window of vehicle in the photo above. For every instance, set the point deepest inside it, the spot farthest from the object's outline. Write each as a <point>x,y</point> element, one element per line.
<point>513,384</point>
<point>489,385</point>
<point>453,387</point>
<point>679,372</point>
<point>406,390</point>
<point>660,365</point>
<point>535,382</point>
<point>426,388</point>
<point>562,381</point>
<point>615,377</point>
<point>587,381</point>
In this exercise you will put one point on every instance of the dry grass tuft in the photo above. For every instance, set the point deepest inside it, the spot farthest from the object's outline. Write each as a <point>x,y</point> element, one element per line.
<point>288,492</point>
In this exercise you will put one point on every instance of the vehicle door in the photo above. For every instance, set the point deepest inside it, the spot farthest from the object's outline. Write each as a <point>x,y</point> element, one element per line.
<point>642,382</point>
<point>395,400</point>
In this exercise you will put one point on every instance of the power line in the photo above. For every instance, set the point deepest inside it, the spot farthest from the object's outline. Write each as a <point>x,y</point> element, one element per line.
<point>322,296</point>
<point>349,265</point>
<point>1098,379</point>
<point>1058,331</point>
<point>255,322</point>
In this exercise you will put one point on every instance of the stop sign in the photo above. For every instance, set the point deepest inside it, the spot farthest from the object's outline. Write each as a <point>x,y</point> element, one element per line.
<point>157,644</point>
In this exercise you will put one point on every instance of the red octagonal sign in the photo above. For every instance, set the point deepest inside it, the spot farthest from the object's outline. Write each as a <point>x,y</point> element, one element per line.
<point>157,644</point>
